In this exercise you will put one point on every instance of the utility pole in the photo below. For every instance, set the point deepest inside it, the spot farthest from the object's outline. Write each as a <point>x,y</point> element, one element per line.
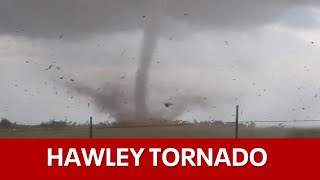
<point>237,122</point>
<point>90,127</point>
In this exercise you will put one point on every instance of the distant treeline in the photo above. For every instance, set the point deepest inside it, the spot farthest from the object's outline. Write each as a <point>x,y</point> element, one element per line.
<point>61,124</point>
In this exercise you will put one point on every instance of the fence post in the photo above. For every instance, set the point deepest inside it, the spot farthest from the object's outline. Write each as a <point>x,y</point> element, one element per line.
<point>237,122</point>
<point>90,127</point>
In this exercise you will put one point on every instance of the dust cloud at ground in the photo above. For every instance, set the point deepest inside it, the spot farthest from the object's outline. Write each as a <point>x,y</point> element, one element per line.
<point>118,100</point>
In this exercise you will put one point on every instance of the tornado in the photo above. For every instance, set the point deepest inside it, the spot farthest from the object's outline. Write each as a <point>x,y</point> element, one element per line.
<point>128,105</point>
<point>149,43</point>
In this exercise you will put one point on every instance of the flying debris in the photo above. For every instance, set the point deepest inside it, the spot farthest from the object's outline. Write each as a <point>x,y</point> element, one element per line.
<point>27,62</point>
<point>307,69</point>
<point>49,67</point>
<point>72,80</point>
<point>123,52</point>
<point>186,14</point>
<point>122,77</point>
<point>226,42</point>
<point>316,95</point>
<point>88,104</point>
<point>60,36</point>
<point>168,104</point>
<point>61,77</point>
<point>312,42</point>
<point>98,89</point>
<point>58,67</point>
<point>143,16</point>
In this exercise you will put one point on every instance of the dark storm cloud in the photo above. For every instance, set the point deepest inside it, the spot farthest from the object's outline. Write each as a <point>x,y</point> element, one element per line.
<point>79,18</point>
<point>301,17</point>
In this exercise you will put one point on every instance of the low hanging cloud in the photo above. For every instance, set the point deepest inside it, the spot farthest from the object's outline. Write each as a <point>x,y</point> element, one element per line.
<point>78,19</point>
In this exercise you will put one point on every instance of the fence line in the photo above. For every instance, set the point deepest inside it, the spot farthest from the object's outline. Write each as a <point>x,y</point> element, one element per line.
<point>156,125</point>
<point>235,123</point>
<point>283,121</point>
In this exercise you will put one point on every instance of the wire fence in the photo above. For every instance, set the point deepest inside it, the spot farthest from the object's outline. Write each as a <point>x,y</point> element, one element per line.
<point>214,124</point>
<point>270,123</point>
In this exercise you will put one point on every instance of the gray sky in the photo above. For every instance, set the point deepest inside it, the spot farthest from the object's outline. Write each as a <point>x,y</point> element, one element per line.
<point>262,55</point>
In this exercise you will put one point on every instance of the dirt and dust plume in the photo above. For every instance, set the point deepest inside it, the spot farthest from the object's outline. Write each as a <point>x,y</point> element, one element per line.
<point>118,100</point>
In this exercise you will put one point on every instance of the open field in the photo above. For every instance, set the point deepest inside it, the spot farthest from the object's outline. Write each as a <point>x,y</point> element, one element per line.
<point>162,132</point>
